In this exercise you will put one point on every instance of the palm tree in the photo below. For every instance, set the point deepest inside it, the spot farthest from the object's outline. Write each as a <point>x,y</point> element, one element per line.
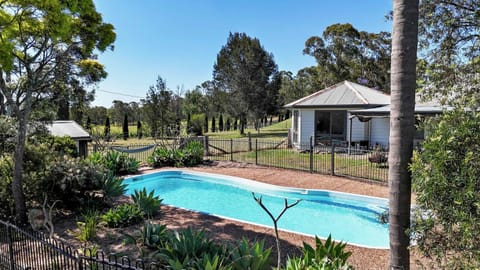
<point>403,83</point>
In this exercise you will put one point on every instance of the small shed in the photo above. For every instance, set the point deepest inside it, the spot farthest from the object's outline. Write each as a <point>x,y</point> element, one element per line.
<point>73,130</point>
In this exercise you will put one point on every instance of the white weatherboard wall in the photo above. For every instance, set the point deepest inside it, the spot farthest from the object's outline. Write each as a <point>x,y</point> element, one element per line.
<point>380,131</point>
<point>307,125</point>
<point>358,130</point>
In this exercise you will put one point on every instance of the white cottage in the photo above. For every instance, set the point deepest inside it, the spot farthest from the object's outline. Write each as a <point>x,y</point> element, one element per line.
<point>325,117</point>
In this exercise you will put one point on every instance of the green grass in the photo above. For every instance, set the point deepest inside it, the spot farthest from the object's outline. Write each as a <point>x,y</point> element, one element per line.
<point>347,165</point>
<point>277,131</point>
<point>268,139</point>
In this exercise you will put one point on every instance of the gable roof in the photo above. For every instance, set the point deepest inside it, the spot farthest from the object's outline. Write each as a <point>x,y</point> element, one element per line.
<point>68,128</point>
<point>343,94</point>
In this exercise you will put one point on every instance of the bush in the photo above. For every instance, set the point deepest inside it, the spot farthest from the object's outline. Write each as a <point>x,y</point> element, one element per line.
<point>70,180</point>
<point>254,257</point>
<point>196,125</point>
<point>123,215</point>
<point>6,199</point>
<point>112,186</point>
<point>328,255</point>
<point>87,230</point>
<point>190,155</point>
<point>445,177</point>
<point>148,203</point>
<point>116,162</point>
<point>154,235</point>
<point>186,248</point>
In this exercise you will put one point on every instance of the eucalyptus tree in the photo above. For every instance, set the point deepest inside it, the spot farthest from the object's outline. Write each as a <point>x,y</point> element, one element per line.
<point>35,36</point>
<point>402,127</point>
<point>344,53</point>
<point>244,71</point>
<point>450,43</point>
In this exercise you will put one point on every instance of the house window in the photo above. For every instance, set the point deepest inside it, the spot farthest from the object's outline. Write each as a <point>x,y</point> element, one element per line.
<point>330,125</point>
<point>296,117</point>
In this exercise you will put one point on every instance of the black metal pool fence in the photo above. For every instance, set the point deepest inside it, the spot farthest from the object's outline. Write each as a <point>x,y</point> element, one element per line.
<point>333,159</point>
<point>25,249</point>
<point>324,159</point>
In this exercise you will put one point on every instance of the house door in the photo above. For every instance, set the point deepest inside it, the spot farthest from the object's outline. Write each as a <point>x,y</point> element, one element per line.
<point>330,126</point>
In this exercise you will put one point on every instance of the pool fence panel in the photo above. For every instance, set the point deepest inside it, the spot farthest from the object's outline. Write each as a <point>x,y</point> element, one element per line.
<point>22,248</point>
<point>324,159</point>
<point>333,159</point>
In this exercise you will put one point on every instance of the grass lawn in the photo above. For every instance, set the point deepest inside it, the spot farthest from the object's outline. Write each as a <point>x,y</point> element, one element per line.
<point>344,164</point>
<point>271,152</point>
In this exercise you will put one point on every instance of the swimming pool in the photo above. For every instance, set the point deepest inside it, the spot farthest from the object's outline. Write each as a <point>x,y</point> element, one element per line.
<point>350,218</point>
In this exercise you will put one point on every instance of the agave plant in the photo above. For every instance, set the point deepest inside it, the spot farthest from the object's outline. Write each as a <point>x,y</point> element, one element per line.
<point>327,255</point>
<point>147,201</point>
<point>254,257</point>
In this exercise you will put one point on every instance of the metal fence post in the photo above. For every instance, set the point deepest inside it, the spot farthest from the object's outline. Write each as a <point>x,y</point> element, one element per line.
<point>249,141</point>
<point>231,149</point>
<point>205,146</point>
<point>311,154</point>
<point>333,160</point>
<point>256,151</point>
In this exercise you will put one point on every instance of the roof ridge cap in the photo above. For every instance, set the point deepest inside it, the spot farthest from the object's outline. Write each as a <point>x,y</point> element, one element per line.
<point>358,94</point>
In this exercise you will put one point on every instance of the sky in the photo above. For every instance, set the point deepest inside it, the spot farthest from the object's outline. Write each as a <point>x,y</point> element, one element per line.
<point>179,39</point>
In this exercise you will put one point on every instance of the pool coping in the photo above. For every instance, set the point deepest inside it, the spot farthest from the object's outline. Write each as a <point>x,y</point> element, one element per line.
<point>237,179</point>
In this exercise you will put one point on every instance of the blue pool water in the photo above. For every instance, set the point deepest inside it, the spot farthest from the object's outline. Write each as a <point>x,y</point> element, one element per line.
<point>350,218</point>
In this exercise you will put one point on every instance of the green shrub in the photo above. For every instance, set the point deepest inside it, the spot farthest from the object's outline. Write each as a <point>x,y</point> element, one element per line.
<point>196,125</point>
<point>116,162</point>
<point>147,202</point>
<point>190,155</point>
<point>123,215</point>
<point>154,235</point>
<point>112,186</point>
<point>187,247</point>
<point>71,180</point>
<point>445,178</point>
<point>254,257</point>
<point>328,256</point>
<point>6,199</point>
<point>62,145</point>
<point>193,153</point>
<point>87,230</point>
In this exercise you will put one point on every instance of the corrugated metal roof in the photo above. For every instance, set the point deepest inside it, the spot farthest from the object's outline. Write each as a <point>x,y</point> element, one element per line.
<point>68,128</point>
<point>343,94</point>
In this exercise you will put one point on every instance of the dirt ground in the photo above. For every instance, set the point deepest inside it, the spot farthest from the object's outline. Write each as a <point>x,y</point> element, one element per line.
<point>362,258</point>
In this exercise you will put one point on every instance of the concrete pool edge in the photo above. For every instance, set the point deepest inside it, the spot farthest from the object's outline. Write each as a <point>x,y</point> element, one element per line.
<point>245,182</point>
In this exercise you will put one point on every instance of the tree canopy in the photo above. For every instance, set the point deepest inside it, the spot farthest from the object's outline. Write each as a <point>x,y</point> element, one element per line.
<point>344,53</point>
<point>244,70</point>
<point>450,42</point>
<point>38,41</point>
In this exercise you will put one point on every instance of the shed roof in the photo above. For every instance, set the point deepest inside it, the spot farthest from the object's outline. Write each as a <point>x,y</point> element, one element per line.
<point>68,128</point>
<point>343,94</point>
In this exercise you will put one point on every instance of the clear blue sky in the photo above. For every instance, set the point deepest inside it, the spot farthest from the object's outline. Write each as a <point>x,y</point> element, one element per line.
<point>179,39</point>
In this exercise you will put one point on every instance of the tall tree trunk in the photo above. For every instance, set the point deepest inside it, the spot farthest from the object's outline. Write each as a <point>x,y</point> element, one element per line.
<point>403,84</point>
<point>17,181</point>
